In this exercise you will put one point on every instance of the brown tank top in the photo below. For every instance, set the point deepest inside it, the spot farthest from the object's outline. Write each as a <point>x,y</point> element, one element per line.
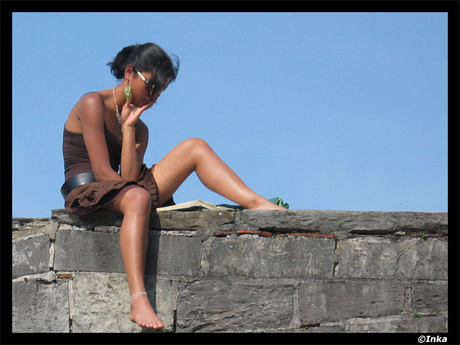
<point>76,158</point>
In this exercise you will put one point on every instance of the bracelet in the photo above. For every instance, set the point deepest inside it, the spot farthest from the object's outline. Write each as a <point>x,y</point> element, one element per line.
<point>137,295</point>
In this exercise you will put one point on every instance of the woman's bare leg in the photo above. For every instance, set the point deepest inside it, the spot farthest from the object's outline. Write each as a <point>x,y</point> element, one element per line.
<point>196,155</point>
<point>134,203</point>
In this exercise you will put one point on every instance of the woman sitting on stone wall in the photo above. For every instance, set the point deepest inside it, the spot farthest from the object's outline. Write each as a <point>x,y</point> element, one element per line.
<point>104,146</point>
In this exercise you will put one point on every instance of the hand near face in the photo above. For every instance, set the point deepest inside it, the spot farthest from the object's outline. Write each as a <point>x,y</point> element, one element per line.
<point>131,113</point>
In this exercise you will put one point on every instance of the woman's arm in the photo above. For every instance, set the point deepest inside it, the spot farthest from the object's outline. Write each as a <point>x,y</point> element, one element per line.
<point>129,167</point>
<point>91,115</point>
<point>135,138</point>
<point>142,139</point>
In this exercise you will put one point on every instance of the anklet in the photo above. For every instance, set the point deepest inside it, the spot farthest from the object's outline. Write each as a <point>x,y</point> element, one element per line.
<point>137,295</point>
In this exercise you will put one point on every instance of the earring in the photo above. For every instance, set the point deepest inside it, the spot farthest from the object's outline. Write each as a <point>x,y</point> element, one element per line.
<point>127,90</point>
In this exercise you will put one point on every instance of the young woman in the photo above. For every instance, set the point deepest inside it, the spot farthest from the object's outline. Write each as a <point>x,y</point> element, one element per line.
<point>104,146</point>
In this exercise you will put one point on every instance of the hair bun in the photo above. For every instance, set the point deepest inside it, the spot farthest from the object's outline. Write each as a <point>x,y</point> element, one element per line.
<point>118,65</point>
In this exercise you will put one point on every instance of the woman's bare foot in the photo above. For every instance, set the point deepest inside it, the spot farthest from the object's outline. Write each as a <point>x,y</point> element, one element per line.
<point>264,204</point>
<point>142,313</point>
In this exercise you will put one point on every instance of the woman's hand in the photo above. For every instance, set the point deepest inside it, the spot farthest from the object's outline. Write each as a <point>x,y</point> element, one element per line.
<point>131,113</point>
<point>131,158</point>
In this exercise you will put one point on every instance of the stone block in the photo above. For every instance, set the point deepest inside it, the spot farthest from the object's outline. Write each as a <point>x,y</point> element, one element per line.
<point>176,256</point>
<point>334,300</point>
<point>165,294</point>
<point>398,324</point>
<point>191,220</point>
<point>298,257</point>
<point>87,251</point>
<point>99,303</point>
<point>429,298</point>
<point>25,224</point>
<point>216,306</point>
<point>391,258</point>
<point>100,252</point>
<point>31,255</point>
<point>99,217</point>
<point>30,226</point>
<point>40,307</point>
<point>342,221</point>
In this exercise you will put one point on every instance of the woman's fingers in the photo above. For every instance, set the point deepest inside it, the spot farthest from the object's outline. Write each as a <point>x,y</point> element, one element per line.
<point>131,112</point>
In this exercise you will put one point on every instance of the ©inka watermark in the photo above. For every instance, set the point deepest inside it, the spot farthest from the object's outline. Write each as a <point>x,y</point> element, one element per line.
<point>431,339</point>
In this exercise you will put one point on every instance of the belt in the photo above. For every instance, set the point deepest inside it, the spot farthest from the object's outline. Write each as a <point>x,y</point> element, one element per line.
<point>75,181</point>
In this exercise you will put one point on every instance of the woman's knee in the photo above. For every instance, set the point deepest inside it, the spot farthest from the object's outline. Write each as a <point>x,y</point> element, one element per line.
<point>195,146</point>
<point>194,143</point>
<point>136,199</point>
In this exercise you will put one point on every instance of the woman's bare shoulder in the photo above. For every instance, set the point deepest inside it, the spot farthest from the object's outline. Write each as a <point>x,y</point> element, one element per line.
<point>91,100</point>
<point>90,107</point>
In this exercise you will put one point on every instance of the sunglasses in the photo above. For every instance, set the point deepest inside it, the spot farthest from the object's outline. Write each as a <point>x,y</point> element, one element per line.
<point>148,84</point>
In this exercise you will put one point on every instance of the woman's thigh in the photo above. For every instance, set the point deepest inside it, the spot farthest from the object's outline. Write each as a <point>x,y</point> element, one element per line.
<point>171,171</point>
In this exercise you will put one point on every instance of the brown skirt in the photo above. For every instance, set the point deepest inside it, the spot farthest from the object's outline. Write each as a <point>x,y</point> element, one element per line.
<point>92,196</point>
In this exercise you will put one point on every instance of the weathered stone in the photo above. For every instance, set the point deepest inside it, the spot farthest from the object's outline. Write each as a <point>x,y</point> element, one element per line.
<point>299,257</point>
<point>45,278</point>
<point>23,224</point>
<point>316,271</point>
<point>186,233</point>
<point>343,221</point>
<point>72,227</point>
<point>34,226</point>
<point>100,252</point>
<point>39,307</point>
<point>110,229</point>
<point>398,324</point>
<point>87,251</point>
<point>99,217</point>
<point>391,258</point>
<point>333,300</point>
<point>165,293</point>
<point>31,255</point>
<point>429,298</point>
<point>177,255</point>
<point>100,303</point>
<point>215,306</point>
<point>327,327</point>
<point>204,220</point>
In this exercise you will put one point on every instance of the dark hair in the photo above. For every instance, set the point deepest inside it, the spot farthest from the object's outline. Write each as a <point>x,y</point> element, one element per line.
<point>150,58</point>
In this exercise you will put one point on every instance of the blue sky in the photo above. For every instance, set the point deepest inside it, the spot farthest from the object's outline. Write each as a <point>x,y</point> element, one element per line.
<point>330,111</point>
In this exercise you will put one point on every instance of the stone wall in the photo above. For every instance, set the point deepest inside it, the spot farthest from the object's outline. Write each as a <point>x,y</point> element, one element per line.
<point>237,271</point>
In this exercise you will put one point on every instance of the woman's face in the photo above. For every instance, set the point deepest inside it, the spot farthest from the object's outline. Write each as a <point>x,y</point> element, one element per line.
<point>141,89</point>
